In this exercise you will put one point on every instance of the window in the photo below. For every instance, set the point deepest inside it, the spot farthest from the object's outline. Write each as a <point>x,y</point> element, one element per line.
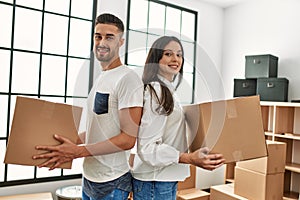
<point>150,19</point>
<point>45,51</point>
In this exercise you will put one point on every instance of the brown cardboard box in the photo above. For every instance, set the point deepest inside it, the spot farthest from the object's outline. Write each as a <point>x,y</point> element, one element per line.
<point>189,182</point>
<point>274,163</point>
<point>224,192</point>
<point>192,194</point>
<point>232,127</point>
<point>258,186</point>
<point>37,196</point>
<point>34,123</point>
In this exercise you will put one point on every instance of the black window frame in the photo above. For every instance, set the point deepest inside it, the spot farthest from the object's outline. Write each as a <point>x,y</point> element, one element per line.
<point>9,94</point>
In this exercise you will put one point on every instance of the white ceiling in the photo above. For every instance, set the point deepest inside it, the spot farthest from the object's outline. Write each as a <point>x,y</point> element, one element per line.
<point>223,3</point>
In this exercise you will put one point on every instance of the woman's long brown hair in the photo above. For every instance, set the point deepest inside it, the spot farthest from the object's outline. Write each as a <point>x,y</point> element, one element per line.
<point>151,68</point>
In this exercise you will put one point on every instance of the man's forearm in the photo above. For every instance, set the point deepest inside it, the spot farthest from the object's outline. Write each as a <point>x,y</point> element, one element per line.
<point>81,138</point>
<point>121,142</point>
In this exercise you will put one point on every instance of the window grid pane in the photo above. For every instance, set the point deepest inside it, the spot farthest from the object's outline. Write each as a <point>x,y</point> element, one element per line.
<point>173,22</point>
<point>55,38</point>
<point>3,115</point>
<point>80,37</point>
<point>38,4</point>
<point>156,18</point>
<point>27,38</point>
<point>4,69</point>
<point>78,74</point>
<point>5,21</point>
<point>137,49</point>
<point>57,6</point>
<point>2,154</point>
<point>8,1</point>
<point>53,75</point>
<point>19,172</point>
<point>188,28</point>
<point>44,172</point>
<point>138,8</point>
<point>82,8</point>
<point>22,81</point>
<point>188,55</point>
<point>39,64</point>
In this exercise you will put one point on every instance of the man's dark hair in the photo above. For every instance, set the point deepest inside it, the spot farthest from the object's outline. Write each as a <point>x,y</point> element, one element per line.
<point>107,18</point>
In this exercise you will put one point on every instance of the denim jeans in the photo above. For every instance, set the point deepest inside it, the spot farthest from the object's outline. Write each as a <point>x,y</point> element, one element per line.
<point>110,189</point>
<point>154,190</point>
<point>116,194</point>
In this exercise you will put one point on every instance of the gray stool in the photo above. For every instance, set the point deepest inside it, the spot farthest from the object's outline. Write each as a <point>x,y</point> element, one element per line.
<point>73,192</point>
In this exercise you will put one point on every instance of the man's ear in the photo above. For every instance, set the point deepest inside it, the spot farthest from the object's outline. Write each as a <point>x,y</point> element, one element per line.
<point>122,40</point>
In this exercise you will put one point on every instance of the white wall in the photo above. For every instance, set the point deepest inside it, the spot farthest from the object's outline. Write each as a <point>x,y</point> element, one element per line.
<point>262,27</point>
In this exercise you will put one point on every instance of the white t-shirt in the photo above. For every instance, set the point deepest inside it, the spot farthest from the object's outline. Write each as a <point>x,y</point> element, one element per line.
<point>113,90</point>
<point>160,141</point>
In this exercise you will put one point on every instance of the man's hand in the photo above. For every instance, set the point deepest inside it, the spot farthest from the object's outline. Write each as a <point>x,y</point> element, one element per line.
<point>62,153</point>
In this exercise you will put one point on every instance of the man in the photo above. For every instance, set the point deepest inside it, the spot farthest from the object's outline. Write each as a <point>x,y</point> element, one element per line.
<point>114,109</point>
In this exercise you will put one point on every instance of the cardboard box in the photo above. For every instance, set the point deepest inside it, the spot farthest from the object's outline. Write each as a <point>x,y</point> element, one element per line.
<point>273,163</point>
<point>229,172</point>
<point>34,123</point>
<point>232,127</point>
<point>37,196</point>
<point>192,194</point>
<point>189,182</point>
<point>258,186</point>
<point>224,192</point>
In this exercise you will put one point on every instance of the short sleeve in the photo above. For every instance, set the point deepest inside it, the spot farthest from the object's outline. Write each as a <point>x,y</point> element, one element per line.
<point>130,91</point>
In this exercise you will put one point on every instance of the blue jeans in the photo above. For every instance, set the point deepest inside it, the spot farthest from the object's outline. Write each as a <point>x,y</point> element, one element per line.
<point>116,194</point>
<point>115,189</point>
<point>154,190</point>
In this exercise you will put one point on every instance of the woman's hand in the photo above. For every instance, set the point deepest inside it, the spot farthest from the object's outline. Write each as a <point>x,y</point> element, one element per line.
<point>202,158</point>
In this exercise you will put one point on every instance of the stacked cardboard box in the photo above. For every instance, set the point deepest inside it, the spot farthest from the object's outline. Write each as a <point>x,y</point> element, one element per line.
<point>256,179</point>
<point>262,178</point>
<point>224,192</point>
<point>187,189</point>
<point>192,194</point>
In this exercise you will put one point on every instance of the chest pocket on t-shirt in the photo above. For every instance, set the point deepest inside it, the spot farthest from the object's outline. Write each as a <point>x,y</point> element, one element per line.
<point>101,103</point>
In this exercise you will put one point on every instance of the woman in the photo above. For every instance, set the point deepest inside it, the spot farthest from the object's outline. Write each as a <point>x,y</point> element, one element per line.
<point>161,159</point>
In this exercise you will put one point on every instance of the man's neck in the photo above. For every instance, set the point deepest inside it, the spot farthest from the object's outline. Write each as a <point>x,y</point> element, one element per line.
<point>107,66</point>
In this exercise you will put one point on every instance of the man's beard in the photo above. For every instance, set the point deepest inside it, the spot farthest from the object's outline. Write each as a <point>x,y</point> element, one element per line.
<point>103,58</point>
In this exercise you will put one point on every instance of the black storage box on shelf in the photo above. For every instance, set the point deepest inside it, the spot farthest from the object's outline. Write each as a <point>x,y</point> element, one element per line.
<point>272,89</point>
<point>244,87</point>
<point>261,66</point>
